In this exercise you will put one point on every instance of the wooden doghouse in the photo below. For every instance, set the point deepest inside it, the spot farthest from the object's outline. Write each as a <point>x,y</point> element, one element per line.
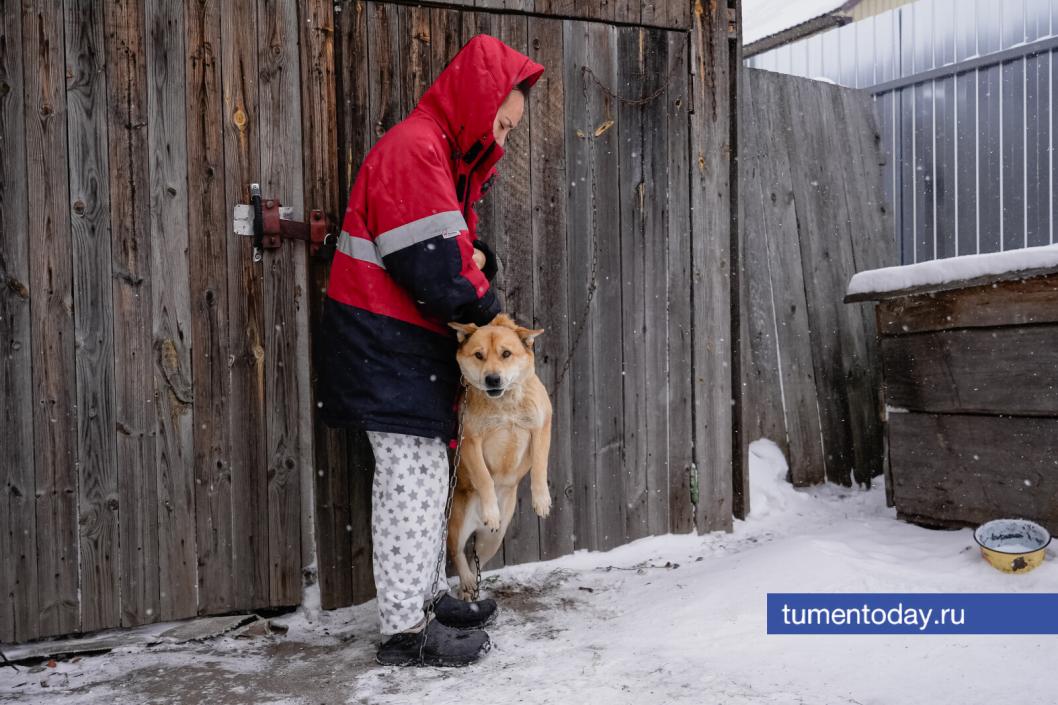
<point>970,368</point>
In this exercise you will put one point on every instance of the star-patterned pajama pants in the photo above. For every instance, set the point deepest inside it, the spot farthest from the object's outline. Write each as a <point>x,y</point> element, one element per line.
<point>408,497</point>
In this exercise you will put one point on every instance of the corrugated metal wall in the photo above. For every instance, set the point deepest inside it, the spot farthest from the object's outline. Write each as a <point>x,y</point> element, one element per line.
<point>965,97</point>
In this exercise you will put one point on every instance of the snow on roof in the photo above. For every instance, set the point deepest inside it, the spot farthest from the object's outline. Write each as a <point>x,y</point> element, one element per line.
<point>948,273</point>
<point>763,18</point>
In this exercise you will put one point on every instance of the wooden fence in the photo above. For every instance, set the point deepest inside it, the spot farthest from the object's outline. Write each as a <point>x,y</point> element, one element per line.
<point>160,457</point>
<point>813,213</point>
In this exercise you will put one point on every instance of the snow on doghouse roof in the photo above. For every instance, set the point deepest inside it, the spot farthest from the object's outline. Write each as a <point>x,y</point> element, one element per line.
<point>952,273</point>
<point>766,19</point>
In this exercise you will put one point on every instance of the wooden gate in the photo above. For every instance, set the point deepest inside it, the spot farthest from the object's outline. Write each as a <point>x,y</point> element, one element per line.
<point>160,456</point>
<point>591,219</point>
<point>154,381</point>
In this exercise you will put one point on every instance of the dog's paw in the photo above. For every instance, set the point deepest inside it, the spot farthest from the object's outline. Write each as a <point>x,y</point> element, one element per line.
<point>466,592</point>
<point>490,516</point>
<point>542,504</point>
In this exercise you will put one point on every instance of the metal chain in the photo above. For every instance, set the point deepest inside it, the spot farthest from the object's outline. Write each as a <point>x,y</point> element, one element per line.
<point>439,568</point>
<point>587,72</point>
<point>477,570</point>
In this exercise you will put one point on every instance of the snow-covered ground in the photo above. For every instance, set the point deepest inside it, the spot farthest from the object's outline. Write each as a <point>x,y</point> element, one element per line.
<point>670,619</point>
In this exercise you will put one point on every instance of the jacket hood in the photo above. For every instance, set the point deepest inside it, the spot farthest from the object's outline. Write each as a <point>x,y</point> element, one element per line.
<point>468,92</point>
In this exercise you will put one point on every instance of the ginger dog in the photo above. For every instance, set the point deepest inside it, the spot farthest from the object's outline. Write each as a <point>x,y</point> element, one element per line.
<point>506,434</point>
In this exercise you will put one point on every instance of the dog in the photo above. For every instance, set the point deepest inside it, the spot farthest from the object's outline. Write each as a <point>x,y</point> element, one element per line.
<point>506,435</point>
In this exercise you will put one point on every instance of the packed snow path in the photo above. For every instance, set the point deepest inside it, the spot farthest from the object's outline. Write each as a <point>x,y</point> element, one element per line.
<point>670,619</point>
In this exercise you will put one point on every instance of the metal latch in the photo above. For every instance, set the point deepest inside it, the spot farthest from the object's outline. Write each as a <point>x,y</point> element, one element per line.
<point>269,223</point>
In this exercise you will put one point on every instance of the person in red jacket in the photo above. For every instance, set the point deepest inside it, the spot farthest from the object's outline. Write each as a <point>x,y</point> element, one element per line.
<point>403,270</point>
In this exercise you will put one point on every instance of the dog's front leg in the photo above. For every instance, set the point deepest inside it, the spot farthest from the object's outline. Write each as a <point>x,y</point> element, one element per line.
<point>482,482</point>
<point>541,446</point>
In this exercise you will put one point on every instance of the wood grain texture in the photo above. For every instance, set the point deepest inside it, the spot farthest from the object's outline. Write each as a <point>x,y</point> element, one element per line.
<point>169,270</point>
<point>583,263</point>
<point>352,511</point>
<point>18,526</point>
<point>284,289</point>
<point>712,149</point>
<point>53,341</point>
<point>135,420</point>
<point>239,65</point>
<point>1022,302</point>
<point>762,412</point>
<point>961,470</point>
<point>774,279</point>
<point>86,131</point>
<point>208,227</point>
<point>549,179</point>
<point>640,204</point>
<point>1010,370</point>
<point>322,84</point>
<point>683,490</point>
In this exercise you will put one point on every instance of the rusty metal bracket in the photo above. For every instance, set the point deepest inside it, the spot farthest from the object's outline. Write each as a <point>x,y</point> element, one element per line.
<point>269,223</point>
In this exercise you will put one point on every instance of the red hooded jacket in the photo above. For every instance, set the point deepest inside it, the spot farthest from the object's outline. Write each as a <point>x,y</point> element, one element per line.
<point>404,265</point>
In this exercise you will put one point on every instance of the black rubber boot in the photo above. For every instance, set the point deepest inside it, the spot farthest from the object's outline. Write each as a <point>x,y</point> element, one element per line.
<point>444,646</point>
<point>460,614</point>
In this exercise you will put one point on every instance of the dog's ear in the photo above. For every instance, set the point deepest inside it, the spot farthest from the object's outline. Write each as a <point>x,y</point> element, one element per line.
<point>527,335</point>
<point>463,330</point>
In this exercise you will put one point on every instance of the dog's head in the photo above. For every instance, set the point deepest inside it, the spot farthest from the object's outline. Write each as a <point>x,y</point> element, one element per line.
<point>495,357</point>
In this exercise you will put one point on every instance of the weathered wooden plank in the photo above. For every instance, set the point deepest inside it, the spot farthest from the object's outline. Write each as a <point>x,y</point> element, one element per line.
<point>826,253</point>
<point>18,526</point>
<point>870,245</point>
<point>582,244</point>
<point>606,324</point>
<point>323,449</point>
<point>639,203</point>
<point>512,198</point>
<point>786,272</point>
<point>762,412</point>
<point>414,32</point>
<point>446,39</point>
<point>284,286</point>
<point>52,341</point>
<point>350,486</point>
<point>1010,370</point>
<point>385,56</point>
<point>135,420</point>
<point>167,171</point>
<point>324,37</point>
<point>713,146</point>
<point>656,226</point>
<point>86,131</point>
<point>1020,302</point>
<point>208,228</point>
<point>966,470</point>
<point>549,184</point>
<point>683,493</point>
<point>245,309</point>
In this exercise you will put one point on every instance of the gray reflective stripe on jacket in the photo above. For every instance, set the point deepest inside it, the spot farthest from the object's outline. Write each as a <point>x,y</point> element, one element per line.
<point>445,223</point>
<point>359,248</point>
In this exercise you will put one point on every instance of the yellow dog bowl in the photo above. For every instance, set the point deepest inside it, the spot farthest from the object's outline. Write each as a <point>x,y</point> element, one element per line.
<point>1012,545</point>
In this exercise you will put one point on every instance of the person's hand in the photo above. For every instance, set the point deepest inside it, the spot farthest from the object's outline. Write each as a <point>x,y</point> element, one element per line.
<point>486,259</point>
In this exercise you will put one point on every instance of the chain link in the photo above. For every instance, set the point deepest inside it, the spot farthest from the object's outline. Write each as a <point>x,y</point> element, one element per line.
<point>439,568</point>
